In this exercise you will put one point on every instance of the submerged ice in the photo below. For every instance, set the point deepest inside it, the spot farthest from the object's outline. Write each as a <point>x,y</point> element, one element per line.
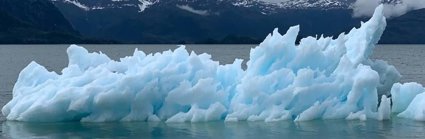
<point>321,78</point>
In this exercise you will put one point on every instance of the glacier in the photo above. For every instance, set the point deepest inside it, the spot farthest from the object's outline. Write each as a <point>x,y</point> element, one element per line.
<point>320,78</point>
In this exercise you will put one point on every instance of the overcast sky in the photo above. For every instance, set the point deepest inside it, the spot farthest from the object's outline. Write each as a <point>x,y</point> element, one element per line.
<point>366,7</point>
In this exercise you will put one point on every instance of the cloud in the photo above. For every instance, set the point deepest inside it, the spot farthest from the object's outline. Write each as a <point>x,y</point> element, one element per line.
<point>192,10</point>
<point>362,8</point>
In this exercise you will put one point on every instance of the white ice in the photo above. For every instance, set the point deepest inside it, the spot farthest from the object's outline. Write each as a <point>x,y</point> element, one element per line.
<point>403,94</point>
<point>321,78</point>
<point>409,101</point>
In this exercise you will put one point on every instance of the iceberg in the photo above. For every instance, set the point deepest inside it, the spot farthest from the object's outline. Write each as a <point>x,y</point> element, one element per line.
<point>320,78</point>
<point>403,94</point>
<point>409,100</point>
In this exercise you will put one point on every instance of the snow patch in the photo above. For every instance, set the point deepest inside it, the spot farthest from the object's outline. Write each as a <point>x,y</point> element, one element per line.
<point>78,4</point>
<point>144,4</point>
<point>192,10</point>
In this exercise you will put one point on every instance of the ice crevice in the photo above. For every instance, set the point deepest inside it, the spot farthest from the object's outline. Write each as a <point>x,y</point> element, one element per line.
<point>320,78</point>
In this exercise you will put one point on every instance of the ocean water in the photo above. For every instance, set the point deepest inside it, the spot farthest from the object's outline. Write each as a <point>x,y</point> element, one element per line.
<point>408,59</point>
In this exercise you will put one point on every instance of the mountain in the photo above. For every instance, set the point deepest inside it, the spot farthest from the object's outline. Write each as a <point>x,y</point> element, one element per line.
<point>219,21</point>
<point>40,13</point>
<point>198,21</point>
<point>407,29</point>
<point>34,21</point>
<point>263,5</point>
<point>186,21</point>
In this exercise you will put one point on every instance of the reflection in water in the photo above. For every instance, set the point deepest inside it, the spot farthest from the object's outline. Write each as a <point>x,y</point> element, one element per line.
<point>397,128</point>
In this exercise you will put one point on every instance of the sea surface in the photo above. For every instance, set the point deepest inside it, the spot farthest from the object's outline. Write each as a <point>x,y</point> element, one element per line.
<point>408,59</point>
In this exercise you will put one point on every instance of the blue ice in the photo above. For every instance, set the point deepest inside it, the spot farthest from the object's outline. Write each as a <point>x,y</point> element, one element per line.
<point>321,78</point>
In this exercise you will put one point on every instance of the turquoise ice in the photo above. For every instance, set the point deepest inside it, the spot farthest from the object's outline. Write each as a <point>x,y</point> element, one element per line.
<point>321,78</point>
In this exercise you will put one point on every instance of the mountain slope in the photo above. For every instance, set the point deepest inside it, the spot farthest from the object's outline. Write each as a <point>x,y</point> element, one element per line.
<point>407,29</point>
<point>40,13</point>
<point>263,5</point>
<point>193,21</point>
<point>34,21</point>
<point>217,21</point>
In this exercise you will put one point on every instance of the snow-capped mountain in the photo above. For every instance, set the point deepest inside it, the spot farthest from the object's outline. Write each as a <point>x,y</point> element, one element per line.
<point>157,21</point>
<point>294,4</point>
<point>188,21</point>
<point>261,5</point>
<point>205,21</point>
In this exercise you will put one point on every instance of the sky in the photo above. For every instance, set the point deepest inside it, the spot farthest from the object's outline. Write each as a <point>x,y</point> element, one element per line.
<point>362,8</point>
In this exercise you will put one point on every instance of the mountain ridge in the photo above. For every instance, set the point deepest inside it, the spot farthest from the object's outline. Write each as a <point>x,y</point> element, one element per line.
<point>209,21</point>
<point>186,21</point>
<point>36,22</point>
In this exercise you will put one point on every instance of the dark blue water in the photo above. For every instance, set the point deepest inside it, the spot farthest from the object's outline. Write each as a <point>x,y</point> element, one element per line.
<point>408,59</point>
